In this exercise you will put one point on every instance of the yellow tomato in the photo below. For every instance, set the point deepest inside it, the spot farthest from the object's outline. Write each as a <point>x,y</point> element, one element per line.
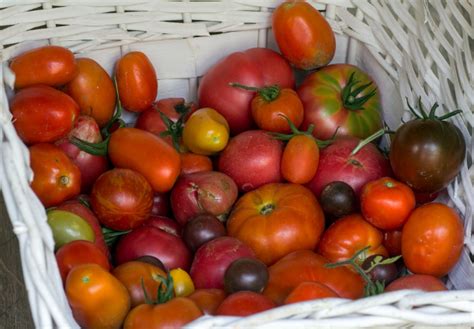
<point>182,282</point>
<point>206,132</point>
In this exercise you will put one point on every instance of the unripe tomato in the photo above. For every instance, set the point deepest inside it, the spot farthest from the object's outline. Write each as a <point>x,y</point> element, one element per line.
<point>206,132</point>
<point>67,227</point>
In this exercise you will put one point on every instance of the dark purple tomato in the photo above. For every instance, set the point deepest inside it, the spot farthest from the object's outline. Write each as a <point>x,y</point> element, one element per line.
<point>338,199</point>
<point>246,274</point>
<point>383,272</point>
<point>201,229</point>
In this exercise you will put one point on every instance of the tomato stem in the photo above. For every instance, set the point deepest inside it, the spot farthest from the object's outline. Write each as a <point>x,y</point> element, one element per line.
<point>116,117</point>
<point>368,140</point>
<point>268,93</point>
<point>350,96</point>
<point>432,114</point>
<point>110,236</point>
<point>99,149</point>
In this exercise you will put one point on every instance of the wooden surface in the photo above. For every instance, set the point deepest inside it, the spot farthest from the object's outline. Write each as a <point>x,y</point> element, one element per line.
<point>14,305</point>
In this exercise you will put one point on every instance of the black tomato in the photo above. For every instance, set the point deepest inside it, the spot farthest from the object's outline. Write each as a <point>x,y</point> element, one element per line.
<point>338,199</point>
<point>383,272</point>
<point>201,229</point>
<point>246,274</point>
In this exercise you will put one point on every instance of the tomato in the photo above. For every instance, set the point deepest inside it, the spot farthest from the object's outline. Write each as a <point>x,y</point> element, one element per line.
<point>392,241</point>
<point>208,299</point>
<point>427,152</point>
<point>417,281</point>
<point>140,279</point>
<point>309,290</point>
<point>42,114</point>
<point>182,283</point>
<point>300,159</point>
<point>147,154</point>
<point>97,298</point>
<point>136,81</point>
<point>79,252</point>
<point>206,132</point>
<point>432,239</point>
<point>55,177</point>
<point>333,100</point>
<point>254,67</point>
<point>50,65</point>
<point>306,265</point>
<point>173,314</point>
<point>303,35</point>
<point>67,227</point>
<point>246,274</point>
<point>191,163</point>
<point>349,234</point>
<point>93,90</point>
<point>244,303</point>
<point>387,203</point>
<point>122,199</point>
<point>277,219</point>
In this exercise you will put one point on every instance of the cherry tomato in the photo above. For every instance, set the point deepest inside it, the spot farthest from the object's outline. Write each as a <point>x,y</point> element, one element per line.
<point>338,199</point>
<point>300,159</point>
<point>309,290</point>
<point>67,227</point>
<point>208,300</point>
<point>246,274</point>
<point>432,239</point>
<point>136,80</point>
<point>387,203</point>
<point>417,281</point>
<point>244,303</point>
<point>385,273</point>
<point>392,241</point>
<point>50,65</point>
<point>191,163</point>
<point>56,178</point>
<point>182,283</point>
<point>42,114</point>
<point>93,90</point>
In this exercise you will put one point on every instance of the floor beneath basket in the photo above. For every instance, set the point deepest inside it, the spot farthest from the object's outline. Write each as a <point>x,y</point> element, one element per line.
<point>14,305</point>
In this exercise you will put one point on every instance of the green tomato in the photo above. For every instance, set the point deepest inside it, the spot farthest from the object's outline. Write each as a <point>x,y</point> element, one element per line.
<point>68,227</point>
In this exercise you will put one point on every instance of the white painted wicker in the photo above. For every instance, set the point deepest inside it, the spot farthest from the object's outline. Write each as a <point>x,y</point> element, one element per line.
<point>411,47</point>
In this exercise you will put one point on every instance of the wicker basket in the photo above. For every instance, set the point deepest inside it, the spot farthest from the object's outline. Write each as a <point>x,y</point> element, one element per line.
<point>412,48</point>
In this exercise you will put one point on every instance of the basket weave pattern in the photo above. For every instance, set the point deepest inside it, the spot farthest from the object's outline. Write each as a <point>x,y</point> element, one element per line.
<point>424,47</point>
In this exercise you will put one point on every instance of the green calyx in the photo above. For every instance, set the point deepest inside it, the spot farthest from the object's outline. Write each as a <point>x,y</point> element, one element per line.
<point>268,93</point>
<point>110,236</point>
<point>351,91</point>
<point>164,293</point>
<point>422,115</point>
<point>370,139</point>
<point>175,129</point>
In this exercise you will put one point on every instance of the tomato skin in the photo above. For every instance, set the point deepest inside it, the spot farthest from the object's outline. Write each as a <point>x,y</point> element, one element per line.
<point>67,227</point>
<point>387,203</point>
<point>182,283</point>
<point>309,291</point>
<point>42,114</point>
<point>321,94</point>
<point>392,241</point>
<point>244,303</point>
<point>432,239</point>
<point>93,90</point>
<point>191,163</point>
<point>303,35</point>
<point>136,80</point>
<point>300,159</point>
<point>417,281</point>
<point>147,154</point>
<point>50,65</point>
<point>261,217</point>
<point>349,234</point>
<point>173,314</point>
<point>208,300</point>
<point>56,178</point>
<point>97,298</point>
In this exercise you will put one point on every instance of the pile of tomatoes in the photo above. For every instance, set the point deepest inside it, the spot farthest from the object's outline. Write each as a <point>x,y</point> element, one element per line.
<point>263,193</point>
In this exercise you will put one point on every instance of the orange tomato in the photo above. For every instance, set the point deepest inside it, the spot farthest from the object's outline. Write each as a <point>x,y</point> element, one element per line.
<point>93,90</point>
<point>244,303</point>
<point>309,290</point>
<point>208,299</point>
<point>300,159</point>
<point>50,65</point>
<point>303,35</point>
<point>136,80</point>
<point>432,239</point>
<point>147,154</point>
<point>97,298</point>
<point>417,281</point>
<point>191,163</point>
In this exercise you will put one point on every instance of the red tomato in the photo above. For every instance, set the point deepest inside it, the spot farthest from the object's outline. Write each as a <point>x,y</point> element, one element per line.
<point>300,159</point>
<point>191,163</point>
<point>244,303</point>
<point>392,241</point>
<point>136,80</point>
<point>432,239</point>
<point>208,300</point>
<point>309,290</point>
<point>387,203</point>
<point>42,114</point>
<point>277,219</point>
<point>303,35</point>
<point>55,177</point>
<point>79,252</point>
<point>417,281</point>
<point>50,65</point>
<point>93,90</point>
<point>122,199</point>
<point>349,234</point>
<point>147,154</point>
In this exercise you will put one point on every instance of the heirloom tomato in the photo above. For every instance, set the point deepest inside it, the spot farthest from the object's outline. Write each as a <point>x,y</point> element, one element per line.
<point>417,281</point>
<point>183,285</point>
<point>67,226</point>
<point>303,35</point>
<point>244,303</point>
<point>208,299</point>
<point>276,219</point>
<point>309,290</point>
<point>191,163</point>
<point>342,98</point>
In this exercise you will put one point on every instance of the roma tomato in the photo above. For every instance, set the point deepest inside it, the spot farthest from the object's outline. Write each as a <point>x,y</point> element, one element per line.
<point>67,226</point>
<point>191,163</point>
<point>417,281</point>
<point>122,199</point>
<point>208,300</point>
<point>349,234</point>
<point>300,159</point>
<point>244,303</point>
<point>56,178</point>
<point>136,81</point>
<point>173,314</point>
<point>93,90</point>
<point>432,239</point>
<point>147,154</point>
<point>307,266</point>
<point>309,291</point>
<point>333,99</point>
<point>261,218</point>
<point>79,252</point>
<point>50,65</point>
<point>42,114</point>
<point>206,132</point>
<point>387,203</point>
<point>97,298</point>
<point>303,35</point>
